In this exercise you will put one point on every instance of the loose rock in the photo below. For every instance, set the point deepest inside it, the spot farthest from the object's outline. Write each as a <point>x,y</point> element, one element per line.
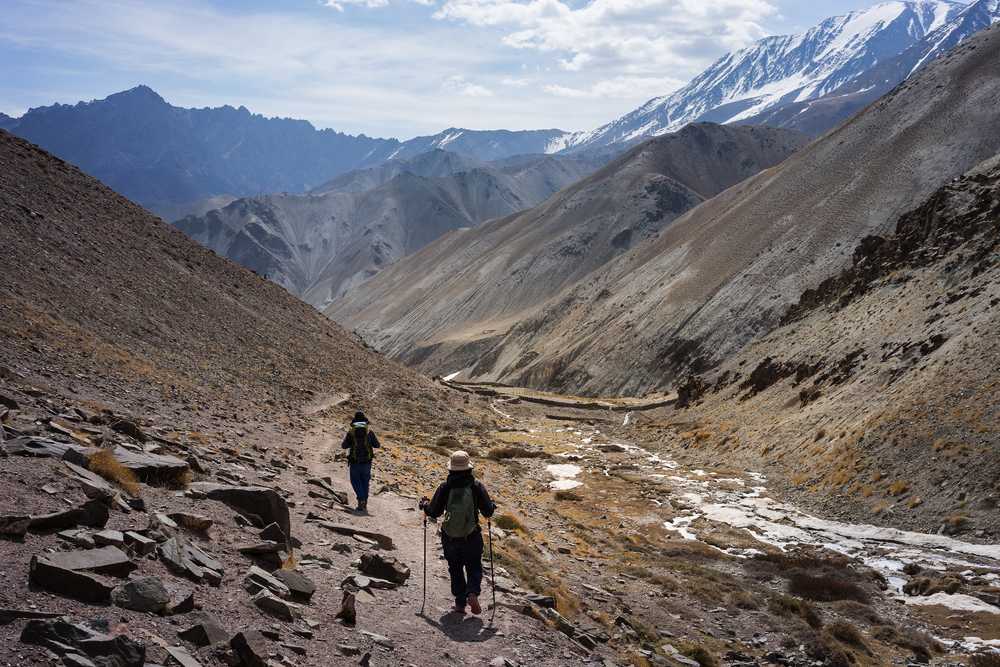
<point>146,594</point>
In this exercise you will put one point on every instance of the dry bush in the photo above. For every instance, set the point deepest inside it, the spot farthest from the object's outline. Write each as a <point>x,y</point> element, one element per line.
<point>515,452</point>
<point>859,611</point>
<point>568,496</point>
<point>849,635</point>
<point>825,587</point>
<point>743,600</point>
<point>785,606</point>
<point>104,463</point>
<point>509,522</point>
<point>291,562</point>
<point>920,643</point>
<point>899,487</point>
<point>699,654</point>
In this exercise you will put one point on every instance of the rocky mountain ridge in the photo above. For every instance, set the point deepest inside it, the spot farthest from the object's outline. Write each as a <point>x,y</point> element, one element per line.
<point>812,81</point>
<point>446,306</point>
<point>169,158</point>
<point>321,244</point>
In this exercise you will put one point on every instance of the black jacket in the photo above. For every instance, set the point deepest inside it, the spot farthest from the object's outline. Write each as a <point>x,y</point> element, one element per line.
<point>359,454</point>
<point>456,480</point>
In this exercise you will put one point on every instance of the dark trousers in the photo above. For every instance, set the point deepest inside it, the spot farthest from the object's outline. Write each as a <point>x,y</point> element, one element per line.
<point>465,565</point>
<point>361,477</point>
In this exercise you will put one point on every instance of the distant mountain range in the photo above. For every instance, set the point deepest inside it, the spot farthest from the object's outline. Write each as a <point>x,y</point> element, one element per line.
<point>320,244</point>
<point>812,81</point>
<point>171,159</point>
<point>176,161</point>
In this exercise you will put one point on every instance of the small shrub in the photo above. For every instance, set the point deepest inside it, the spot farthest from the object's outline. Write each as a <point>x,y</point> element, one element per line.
<point>699,655</point>
<point>849,635</point>
<point>104,463</point>
<point>859,611</point>
<point>898,488</point>
<point>825,588</point>
<point>785,606</point>
<point>920,643</point>
<point>509,522</point>
<point>991,659</point>
<point>568,496</point>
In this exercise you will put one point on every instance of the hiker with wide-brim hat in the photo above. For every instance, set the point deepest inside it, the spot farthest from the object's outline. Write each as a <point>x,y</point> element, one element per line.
<point>360,443</point>
<point>461,499</point>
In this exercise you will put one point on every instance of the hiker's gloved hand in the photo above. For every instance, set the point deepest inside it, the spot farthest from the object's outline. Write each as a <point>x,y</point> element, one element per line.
<point>424,502</point>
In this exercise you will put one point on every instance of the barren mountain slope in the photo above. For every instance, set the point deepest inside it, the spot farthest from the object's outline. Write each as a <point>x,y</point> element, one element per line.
<point>471,284</point>
<point>881,386</point>
<point>322,244</point>
<point>726,271</point>
<point>96,286</point>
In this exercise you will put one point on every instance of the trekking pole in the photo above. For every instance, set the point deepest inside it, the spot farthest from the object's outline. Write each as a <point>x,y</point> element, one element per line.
<point>493,570</point>
<point>424,605</point>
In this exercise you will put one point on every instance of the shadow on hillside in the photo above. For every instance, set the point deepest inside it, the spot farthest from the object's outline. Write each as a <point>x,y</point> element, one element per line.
<point>462,628</point>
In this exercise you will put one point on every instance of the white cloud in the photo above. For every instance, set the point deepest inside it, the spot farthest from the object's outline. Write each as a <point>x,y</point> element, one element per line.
<point>459,86</point>
<point>371,4</point>
<point>638,37</point>
<point>638,89</point>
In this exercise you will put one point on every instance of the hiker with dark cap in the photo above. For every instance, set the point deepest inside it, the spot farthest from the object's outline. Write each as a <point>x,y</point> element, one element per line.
<point>360,443</point>
<point>462,498</point>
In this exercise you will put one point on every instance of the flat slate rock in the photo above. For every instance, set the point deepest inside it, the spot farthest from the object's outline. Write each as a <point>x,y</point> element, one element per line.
<point>70,583</point>
<point>251,648</point>
<point>188,560</point>
<point>14,526</point>
<point>8,615</point>
<point>146,465</point>
<point>182,657</point>
<point>93,513</point>
<point>204,630</point>
<point>46,448</point>
<point>301,586</point>
<point>383,541</point>
<point>381,567</point>
<point>269,603</point>
<point>261,502</point>
<point>106,560</point>
<point>257,580</point>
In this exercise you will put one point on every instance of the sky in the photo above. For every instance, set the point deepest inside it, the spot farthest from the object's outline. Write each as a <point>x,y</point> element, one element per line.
<point>385,67</point>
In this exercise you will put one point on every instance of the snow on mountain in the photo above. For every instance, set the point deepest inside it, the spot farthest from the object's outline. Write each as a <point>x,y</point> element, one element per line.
<point>792,69</point>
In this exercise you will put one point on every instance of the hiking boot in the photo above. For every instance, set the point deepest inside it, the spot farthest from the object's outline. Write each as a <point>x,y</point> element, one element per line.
<point>474,604</point>
<point>459,608</point>
<point>362,505</point>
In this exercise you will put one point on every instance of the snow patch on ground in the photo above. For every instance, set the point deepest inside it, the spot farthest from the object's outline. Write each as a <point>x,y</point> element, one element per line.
<point>956,601</point>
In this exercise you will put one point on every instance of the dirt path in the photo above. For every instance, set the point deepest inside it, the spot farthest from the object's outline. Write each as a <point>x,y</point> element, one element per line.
<point>437,637</point>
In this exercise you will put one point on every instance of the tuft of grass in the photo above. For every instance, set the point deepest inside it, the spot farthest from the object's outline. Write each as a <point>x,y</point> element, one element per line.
<point>991,659</point>
<point>920,643</point>
<point>849,635</point>
<point>509,522</point>
<point>785,606</point>
<point>568,496</point>
<point>698,654</point>
<point>898,488</point>
<point>104,463</point>
<point>291,562</point>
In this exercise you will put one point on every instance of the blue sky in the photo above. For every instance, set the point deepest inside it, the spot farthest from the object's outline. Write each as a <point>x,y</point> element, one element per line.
<point>385,67</point>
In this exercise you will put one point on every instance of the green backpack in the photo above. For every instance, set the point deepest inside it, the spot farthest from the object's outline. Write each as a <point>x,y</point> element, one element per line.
<point>460,514</point>
<point>361,450</point>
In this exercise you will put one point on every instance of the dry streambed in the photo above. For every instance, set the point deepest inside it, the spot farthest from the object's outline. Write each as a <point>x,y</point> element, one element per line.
<point>948,586</point>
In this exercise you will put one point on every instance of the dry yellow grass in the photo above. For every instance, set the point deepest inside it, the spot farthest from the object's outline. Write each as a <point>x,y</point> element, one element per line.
<point>107,466</point>
<point>898,488</point>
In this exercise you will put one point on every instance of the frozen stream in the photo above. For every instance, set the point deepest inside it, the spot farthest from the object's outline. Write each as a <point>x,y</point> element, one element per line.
<point>742,502</point>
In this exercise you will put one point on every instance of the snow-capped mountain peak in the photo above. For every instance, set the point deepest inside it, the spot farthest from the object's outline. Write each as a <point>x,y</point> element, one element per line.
<point>790,69</point>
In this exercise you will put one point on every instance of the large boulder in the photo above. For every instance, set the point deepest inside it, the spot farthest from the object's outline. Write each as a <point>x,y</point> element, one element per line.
<point>257,503</point>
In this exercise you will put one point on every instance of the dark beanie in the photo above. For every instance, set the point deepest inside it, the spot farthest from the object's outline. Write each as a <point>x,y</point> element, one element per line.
<point>360,417</point>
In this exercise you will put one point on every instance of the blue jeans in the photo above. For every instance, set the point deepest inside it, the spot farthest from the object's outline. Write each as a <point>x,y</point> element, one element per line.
<point>361,477</point>
<point>465,565</point>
